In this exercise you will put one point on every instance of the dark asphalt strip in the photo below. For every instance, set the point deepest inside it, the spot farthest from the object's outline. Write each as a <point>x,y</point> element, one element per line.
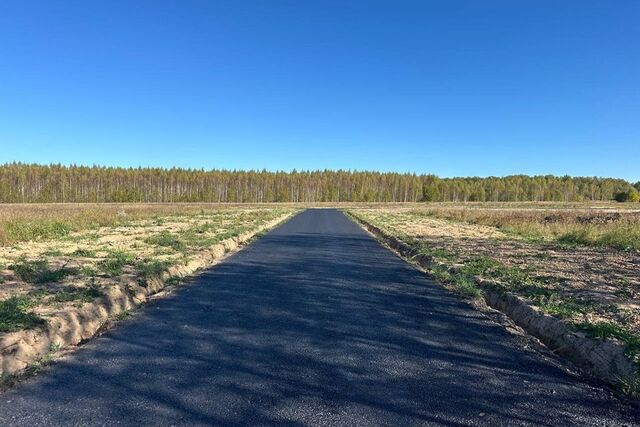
<point>313,324</point>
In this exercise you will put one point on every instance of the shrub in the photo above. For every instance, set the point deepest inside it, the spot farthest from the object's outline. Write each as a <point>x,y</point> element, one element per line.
<point>630,195</point>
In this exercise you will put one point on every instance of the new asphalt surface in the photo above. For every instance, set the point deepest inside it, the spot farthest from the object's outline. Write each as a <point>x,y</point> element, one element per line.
<point>313,324</point>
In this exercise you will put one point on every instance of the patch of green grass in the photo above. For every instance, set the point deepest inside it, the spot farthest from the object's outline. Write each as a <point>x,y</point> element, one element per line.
<point>122,315</point>
<point>84,253</point>
<point>581,236</point>
<point>54,348</point>
<point>39,271</point>
<point>465,285</point>
<point>562,306</point>
<point>202,228</point>
<point>52,252</point>
<point>535,291</point>
<point>631,389</point>
<point>74,294</point>
<point>610,329</point>
<point>172,281</point>
<point>15,317</point>
<point>486,267</point>
<point>461,283</point>
<point>114,263</point>
<point>87,271</point>
<point>621,237</point>
<point>483,266</point>
<point>440,273</point>
<point>166,239</point>
<point>67,294</point>
<point>198,241</point>
<point>148,269</point>
<point>20,229</point>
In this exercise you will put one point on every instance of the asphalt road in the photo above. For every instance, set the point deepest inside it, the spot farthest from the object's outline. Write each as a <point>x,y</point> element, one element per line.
<point>313,324</point>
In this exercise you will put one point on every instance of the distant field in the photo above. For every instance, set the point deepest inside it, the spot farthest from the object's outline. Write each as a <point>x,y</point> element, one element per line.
<point>579,262</point>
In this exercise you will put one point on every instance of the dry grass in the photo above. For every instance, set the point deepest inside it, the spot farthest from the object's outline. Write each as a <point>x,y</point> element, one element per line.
<point>616,229</point>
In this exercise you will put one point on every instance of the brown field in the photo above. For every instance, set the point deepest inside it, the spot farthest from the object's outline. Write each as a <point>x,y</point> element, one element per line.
<point>577,262</point>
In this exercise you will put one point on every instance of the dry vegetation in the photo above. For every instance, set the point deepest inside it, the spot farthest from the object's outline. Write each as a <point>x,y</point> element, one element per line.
<point>605,226</point>
<point>55,256</point>
<point>578,262</point>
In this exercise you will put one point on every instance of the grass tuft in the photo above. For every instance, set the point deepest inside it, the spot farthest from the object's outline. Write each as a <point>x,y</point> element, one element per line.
<point>14,315</point>
<point>114,263</point>
<point>74,294</point>
<point>84,253</point>
<point>166,239</point>
<point>148,269</point>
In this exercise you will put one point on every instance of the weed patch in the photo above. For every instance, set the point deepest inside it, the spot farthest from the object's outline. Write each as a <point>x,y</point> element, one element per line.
<point>462,283</point>
<point>115,262</point>
<point>84,253</point>
<point>74,294</point>
<point>149,269</point>
<point>39,271</point>
<point>613,330</point>
<point>14,315</point>
<point>52,252</point>
<point>166,239</point>
<point>122,315</point>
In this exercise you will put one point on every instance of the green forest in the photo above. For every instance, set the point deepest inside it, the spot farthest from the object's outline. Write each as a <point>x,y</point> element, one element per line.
<point>32,183</point>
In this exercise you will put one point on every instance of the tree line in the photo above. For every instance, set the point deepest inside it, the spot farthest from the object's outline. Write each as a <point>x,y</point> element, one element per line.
<point>32,183</point>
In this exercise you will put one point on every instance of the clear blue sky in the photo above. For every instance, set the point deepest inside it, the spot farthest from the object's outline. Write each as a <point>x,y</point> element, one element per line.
<point>457,88</point>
